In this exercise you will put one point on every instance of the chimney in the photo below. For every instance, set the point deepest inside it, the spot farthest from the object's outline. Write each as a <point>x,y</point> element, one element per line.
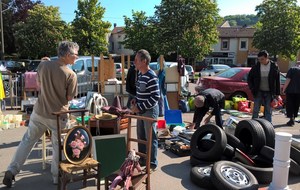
<point>115,24</point>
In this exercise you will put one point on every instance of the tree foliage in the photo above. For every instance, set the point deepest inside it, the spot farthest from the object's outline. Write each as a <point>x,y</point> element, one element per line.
<point>279,27</point>
<point>241,20</point>
<point>40,33</point>
<point>89,30</point>
<point>187,26</point>
<point>140,32</point>
<point>16,11</point>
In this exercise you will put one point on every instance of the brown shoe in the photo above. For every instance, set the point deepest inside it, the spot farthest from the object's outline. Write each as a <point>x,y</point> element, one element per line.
<point>8,178</point>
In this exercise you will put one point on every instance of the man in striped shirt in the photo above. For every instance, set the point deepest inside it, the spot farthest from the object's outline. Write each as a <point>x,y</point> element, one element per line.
<point>146,102</point>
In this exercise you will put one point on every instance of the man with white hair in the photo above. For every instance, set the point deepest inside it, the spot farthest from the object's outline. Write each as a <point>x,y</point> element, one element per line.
<point>209,98</point>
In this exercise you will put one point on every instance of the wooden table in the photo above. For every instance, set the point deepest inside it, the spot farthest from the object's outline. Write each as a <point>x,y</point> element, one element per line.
<point>107,127</point>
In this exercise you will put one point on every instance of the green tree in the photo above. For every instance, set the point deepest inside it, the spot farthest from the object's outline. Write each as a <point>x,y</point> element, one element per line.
<point>279,27</point>
<point>15,11</point>
<point>40,33</point>
<point>89,30</point>
<point>241,20</point>
<point>140,32</point>
<point>186,26</point>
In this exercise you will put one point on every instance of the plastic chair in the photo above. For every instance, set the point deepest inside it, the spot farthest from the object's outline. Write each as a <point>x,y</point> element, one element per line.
<point>72,169</point>
<point>138,178</point>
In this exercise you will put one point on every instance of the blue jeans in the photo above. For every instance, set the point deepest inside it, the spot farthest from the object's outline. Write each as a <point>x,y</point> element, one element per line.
<point>161,105</point>
<point>263,98</point>
<point>141,128</point>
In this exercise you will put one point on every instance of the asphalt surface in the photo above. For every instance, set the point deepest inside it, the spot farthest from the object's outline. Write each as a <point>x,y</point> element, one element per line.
<point>173,172</point>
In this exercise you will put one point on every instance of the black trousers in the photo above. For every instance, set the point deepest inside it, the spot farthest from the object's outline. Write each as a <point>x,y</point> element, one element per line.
<point>292,105</point>
<point>200,113</point>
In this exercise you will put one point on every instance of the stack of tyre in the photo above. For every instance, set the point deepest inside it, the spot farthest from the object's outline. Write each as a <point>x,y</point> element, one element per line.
<point>241,161</point>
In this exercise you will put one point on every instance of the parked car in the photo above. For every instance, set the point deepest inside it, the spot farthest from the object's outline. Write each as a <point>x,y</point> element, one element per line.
<point>213,69</point>
<point>118,69</point>
<point>33,65</point>
<point>13,66</point>
<point>191,72</point>
<point>233,82</point>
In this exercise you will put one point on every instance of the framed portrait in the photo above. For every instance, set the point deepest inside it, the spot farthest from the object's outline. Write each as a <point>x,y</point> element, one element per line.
<point>77,145</point>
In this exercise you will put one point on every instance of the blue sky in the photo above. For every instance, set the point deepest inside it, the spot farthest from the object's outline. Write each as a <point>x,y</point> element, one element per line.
<point>116,9</point>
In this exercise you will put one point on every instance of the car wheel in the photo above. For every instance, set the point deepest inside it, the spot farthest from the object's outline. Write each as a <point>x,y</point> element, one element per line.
<point>200,175</point>
<point>6,88</point>
<point>262,171</point>
<point>239,94</point>
<point>228,175</point>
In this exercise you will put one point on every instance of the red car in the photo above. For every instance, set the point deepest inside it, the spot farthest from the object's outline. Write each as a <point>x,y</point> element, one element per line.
<point>233,82</point>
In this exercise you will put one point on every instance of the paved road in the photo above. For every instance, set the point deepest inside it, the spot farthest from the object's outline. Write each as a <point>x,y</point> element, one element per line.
<point>173,171</point>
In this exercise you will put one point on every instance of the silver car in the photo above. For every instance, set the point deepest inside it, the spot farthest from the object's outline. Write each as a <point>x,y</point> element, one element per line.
<point>213,69</point>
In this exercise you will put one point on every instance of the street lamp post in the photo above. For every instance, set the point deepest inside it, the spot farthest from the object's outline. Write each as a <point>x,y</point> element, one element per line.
<point>2,36</point>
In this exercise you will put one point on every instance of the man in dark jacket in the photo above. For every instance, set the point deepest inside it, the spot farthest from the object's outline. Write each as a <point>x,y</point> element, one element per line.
<point>292,90</point>
<point>264,83</point>
<point>209,98</point>
<point>130,84</point>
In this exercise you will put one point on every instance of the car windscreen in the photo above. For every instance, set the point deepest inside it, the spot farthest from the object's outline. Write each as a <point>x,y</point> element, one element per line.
<point>228,73</point>
<point>221,67</point>
<point>188,68</point>
<point>89,64</point>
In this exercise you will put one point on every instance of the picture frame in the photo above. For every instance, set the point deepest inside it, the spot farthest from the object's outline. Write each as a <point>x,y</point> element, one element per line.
<point>77,144</point>
<point>110,151</point>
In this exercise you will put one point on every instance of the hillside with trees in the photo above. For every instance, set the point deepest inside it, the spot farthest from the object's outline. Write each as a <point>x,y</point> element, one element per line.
<point>241,20</point>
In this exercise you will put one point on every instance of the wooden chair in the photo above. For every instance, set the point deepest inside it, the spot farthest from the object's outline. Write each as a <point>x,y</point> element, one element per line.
<point>138,178</point>
<point>72,171</point>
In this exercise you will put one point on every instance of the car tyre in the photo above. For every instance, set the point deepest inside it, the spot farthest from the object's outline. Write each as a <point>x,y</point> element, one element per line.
<point>252,135</point>
<point>215,152</point>
<point>200,175</point>
<point>223,176</point>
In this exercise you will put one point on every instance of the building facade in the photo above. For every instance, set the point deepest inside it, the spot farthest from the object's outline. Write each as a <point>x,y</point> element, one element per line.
<point>116,37</point>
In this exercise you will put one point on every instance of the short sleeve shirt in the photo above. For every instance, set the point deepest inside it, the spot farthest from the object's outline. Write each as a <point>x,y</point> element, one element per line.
<point>294,85</point>
<point>57,81</point>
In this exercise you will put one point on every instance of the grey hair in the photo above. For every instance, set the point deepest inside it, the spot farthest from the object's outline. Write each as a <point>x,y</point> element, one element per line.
<point>66,47</point>
<point>144,55</point>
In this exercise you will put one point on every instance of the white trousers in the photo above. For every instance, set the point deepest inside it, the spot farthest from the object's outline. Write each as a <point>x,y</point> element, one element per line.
<point>37,127</point>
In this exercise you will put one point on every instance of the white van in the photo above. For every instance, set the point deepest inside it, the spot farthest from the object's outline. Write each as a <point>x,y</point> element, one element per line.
<point>171,76</point>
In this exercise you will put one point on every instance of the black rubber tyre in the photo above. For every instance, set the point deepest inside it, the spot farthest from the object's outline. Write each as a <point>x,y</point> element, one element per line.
<point>200,175</point>
<point>269,131</point>
<point>242,157</point>
<point>252,135</point>
<point>239,94</point>
<point>235,142</point>
<point>263,170</point>
<point>229,152</point>
<point>295,154</point>
<point>226,175</point>
<point>195,161</point>
<point>215,152</point>
<point>268,153</point>
<point>294,168</point>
